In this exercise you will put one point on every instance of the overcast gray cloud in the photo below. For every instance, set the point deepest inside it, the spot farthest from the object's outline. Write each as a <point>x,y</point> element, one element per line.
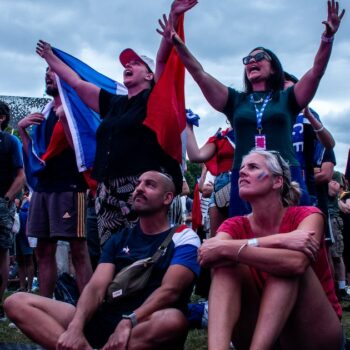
<point>218,32</point>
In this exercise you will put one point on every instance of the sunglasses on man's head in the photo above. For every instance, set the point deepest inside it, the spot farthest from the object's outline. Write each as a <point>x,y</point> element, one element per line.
<point>257,57</point>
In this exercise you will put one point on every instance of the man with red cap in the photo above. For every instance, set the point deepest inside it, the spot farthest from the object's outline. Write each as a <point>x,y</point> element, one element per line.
<point>125,146</point>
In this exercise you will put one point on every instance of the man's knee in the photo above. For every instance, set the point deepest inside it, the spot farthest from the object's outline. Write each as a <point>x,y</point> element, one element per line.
<point>15,303</point>
<point>170,320</point>
<point>165,327</point>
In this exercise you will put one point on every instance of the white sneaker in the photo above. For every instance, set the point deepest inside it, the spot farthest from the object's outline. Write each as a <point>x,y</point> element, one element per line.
<point>12,326</point>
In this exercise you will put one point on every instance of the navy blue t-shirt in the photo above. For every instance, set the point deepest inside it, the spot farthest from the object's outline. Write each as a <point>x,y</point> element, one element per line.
<point>130,245</point>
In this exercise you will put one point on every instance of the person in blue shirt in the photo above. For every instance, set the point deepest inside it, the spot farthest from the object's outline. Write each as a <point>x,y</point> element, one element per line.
<point>11,181</point>
<point>152,319</point>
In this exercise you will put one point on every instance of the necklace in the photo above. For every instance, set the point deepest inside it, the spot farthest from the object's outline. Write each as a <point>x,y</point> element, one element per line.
<point>258,101</point>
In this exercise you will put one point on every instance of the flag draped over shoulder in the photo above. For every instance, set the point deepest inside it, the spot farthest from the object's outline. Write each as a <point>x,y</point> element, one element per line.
<point>166,105</point>
<point>82,121</point>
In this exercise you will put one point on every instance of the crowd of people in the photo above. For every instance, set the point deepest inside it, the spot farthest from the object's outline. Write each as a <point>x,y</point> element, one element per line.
<point>264,239</point>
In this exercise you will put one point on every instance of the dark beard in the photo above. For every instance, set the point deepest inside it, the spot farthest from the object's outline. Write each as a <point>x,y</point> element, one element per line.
<point>53,92</point>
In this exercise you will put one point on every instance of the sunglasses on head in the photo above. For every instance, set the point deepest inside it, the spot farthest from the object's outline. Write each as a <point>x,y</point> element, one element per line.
<point>279,159</point>
<point>257,57</point>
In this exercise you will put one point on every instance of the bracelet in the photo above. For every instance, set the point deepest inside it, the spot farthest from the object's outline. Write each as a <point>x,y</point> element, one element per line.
<point>132,318</point>
<point>319,130</point>
<point>327,39</point>
<point>240,250</point>
<point>253,242</point>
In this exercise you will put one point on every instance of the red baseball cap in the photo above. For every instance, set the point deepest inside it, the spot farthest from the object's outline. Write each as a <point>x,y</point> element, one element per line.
<point>128,55</point>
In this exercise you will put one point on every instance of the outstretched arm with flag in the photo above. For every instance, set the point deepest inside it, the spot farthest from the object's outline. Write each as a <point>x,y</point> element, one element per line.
<point>82,120</point>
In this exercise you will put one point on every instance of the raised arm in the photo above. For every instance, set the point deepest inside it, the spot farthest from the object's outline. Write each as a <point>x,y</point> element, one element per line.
<point>23,124</point>
<point>88,92</point>
<point>306,87</point>
<point>196,154</point>
<point>323,135</point>
<point>178,7</point>
<point>215,92</point>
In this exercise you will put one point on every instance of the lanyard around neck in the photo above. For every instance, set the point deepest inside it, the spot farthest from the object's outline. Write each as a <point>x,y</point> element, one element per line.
<point>260,112</point>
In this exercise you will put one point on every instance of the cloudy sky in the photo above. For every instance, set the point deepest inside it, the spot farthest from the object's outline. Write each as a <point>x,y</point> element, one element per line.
<point>219,33</point>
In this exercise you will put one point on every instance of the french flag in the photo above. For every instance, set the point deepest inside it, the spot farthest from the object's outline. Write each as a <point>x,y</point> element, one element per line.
<point>166,114</point>
<point>82,121</point>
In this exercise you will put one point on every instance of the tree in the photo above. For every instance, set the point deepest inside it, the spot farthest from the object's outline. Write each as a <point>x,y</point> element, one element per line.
<point>193,172</point>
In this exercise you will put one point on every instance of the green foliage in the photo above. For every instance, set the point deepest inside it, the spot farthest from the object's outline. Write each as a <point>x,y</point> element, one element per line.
<point>12,131</point>
<point>193,172</point>
<point>197,339</point>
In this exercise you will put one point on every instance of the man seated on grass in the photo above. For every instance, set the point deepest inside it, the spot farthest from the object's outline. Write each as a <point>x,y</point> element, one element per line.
<point>152,319</point>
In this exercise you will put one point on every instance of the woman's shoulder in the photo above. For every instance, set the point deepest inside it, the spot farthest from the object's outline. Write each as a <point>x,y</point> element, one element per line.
<point>297,214</point>
<point>232,92</point>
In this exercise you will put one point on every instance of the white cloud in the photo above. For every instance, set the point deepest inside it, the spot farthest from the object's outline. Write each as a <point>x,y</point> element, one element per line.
<point>219,32</point>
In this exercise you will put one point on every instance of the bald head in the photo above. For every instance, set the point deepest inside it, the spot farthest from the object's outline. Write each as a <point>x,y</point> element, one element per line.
<point>167,182</point>
<point>153,193</point>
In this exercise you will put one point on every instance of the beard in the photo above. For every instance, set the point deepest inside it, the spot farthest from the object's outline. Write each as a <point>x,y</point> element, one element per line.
<point>52,91</point>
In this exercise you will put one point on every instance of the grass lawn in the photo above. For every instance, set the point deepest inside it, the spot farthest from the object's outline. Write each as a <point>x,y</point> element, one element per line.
<point>197,339</point>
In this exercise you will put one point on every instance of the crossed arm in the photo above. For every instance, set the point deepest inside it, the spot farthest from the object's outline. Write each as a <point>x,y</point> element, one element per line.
<point>278,254</point>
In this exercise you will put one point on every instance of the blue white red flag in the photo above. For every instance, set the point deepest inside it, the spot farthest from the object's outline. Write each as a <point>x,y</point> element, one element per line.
<point>82,120</point>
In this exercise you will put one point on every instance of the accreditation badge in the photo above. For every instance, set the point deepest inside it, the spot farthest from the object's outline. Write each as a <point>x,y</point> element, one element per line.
<point>260,142</point>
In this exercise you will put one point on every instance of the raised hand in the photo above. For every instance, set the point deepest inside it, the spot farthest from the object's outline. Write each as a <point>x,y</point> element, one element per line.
<point>43,49</point>
<point>333,19</point>
<point>167,29</point>
<point>31,119</point>
<point>179,7</point>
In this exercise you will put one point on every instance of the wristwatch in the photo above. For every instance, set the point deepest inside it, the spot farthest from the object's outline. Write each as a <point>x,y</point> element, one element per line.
<point>132,317</point>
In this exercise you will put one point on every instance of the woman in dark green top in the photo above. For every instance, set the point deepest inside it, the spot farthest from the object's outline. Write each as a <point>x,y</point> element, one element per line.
<point>263,115</point>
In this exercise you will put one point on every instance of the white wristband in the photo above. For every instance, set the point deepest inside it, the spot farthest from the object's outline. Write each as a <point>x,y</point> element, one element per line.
<point>253,242</point>
<point>319,130</point>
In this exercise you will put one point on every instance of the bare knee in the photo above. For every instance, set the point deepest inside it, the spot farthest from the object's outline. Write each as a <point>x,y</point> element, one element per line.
<point>16,303</point>
<point>164,327</point>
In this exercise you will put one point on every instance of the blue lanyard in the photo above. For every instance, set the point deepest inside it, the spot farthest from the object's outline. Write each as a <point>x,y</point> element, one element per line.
<point>260,112</point>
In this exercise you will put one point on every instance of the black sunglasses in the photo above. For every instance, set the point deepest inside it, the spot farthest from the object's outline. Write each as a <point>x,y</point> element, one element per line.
<point>257,57</point>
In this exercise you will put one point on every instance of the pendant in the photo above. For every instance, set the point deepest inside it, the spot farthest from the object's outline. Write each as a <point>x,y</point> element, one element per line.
<point>258,101</point>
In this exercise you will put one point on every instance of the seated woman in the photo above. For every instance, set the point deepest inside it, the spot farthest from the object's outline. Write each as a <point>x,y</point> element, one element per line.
<point>271,282</point>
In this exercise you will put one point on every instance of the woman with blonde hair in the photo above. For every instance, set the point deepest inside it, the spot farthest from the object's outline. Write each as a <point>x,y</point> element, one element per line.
<point>271,282</point>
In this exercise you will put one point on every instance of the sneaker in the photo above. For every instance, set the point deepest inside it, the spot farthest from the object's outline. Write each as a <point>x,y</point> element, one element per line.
<point>2,314</point>
<point>35,285</point>
<point>343,295</point>
<point>347,289</point>
<point>12,326</point>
